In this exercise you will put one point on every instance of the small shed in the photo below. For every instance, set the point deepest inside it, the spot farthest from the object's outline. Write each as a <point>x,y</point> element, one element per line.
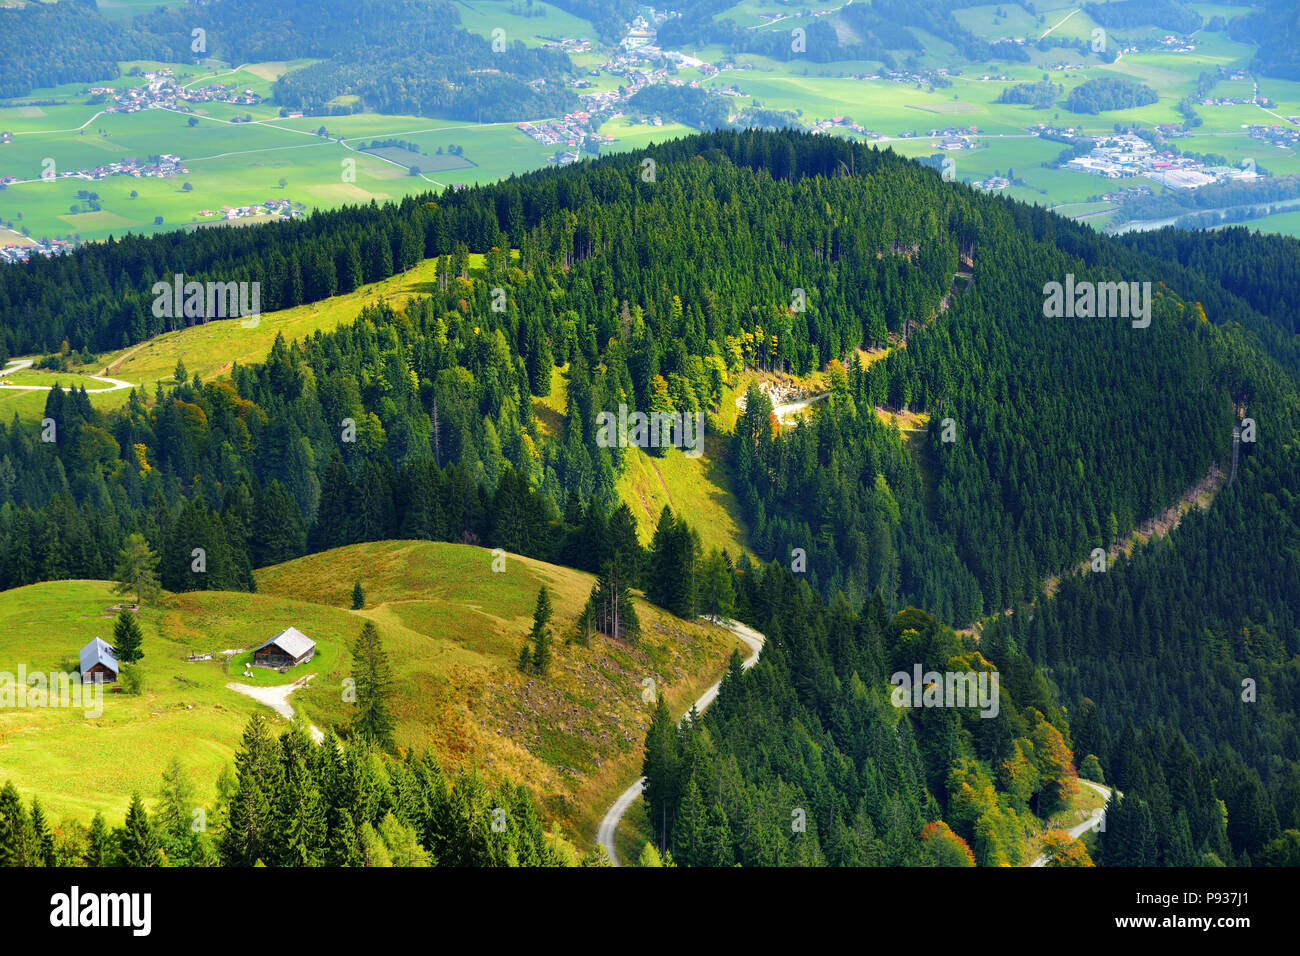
<point>291,646</point>
<point>98,662</point>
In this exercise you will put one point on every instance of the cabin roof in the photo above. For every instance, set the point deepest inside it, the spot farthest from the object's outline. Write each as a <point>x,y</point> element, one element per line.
<point>98,652</point>
<point>292,641</point>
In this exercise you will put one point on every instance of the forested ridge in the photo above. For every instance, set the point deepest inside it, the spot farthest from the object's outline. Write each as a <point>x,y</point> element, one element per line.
<point>804,760</point>
<point>657,293</point>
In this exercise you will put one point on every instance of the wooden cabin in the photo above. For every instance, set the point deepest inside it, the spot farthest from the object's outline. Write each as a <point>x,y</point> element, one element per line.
<point>99,662</point>
<point>291,646</point>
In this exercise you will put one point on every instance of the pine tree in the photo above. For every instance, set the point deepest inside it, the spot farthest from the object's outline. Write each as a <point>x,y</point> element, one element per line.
<point>127,638</point>
<point>660,768</point>
<point>138,843</point>
<point>247,833</point>
<point>342,849</point>
<point>99,843</point>
<point>42,839</point>
<point>373,677</point>
<point>541,633</point>
<point>16,837</point>
<point>137,570</point>
<point>358,597</point>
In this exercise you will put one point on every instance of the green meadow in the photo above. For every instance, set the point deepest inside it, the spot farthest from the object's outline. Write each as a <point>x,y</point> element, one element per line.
<point>452,627</point>
<point>234,163</point>
<point>549,22</point>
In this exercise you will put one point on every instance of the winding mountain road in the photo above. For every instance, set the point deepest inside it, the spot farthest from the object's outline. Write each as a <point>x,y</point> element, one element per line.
<point>1092,823</point>
<point>114,384</point>
<point>277,698</point>
<point>608,828</point>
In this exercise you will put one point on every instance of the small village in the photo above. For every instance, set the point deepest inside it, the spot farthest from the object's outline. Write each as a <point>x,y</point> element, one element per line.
<point>1122,155</point>
<point>12,252</point>
<point>276,208</point>
<point>160,91</point>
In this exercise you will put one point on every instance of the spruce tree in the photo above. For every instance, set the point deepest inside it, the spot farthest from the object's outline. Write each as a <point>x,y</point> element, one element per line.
<point>690,830</point>
<point>298,813</point>
<point>173,817</point>
<point>137,570</point>
<point>342,849</point>
<point>662,570</point>
<point>249,821</point>
<point>373,677</point>
<point>611,602</point>
<point>624,542</point>
<point>127,638</point>
<point>99,843</point>
<point>358,597</point>
<point>585,626</point>
<point>138,843</point>
<point>659,767</point>
<point>16,837</point>
<point>716,593</point>
<point>541,633</point>
<point>42,839</point>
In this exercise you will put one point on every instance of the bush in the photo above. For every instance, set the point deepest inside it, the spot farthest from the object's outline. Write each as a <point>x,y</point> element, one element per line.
<point>132,680</point>
<point>1090,769</point>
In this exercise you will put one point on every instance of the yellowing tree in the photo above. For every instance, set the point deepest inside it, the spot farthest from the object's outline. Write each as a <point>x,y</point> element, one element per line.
<point>1061,849</point>
<point>1053,758</point>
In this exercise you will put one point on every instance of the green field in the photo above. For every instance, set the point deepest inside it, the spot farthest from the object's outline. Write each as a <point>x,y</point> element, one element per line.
<point>228,163</point>
<point>241,163</point>
<point>1286,223</point>
<point>548,22</point>
<point>452,629</point>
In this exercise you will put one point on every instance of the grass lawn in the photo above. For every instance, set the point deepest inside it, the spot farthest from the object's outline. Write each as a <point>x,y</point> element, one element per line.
<point>548,22</point>
<point>452,629</point>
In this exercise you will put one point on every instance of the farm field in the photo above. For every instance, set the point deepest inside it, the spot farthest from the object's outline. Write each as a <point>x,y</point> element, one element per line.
<point>452,629</point>
<point>229,163</point>
<point>547,22</point>
<point>235,163</point>
<point>1286,223</point>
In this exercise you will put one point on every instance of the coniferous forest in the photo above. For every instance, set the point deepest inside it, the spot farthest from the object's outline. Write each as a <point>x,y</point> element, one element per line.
<point>1044,441</point>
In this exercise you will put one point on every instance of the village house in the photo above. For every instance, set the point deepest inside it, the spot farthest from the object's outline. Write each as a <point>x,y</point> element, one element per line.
<point>98,662</point>
<point>288,648</point>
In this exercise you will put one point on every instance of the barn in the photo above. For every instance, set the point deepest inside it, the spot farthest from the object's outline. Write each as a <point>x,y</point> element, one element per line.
<point>98,662</point>
<point>291,646</point>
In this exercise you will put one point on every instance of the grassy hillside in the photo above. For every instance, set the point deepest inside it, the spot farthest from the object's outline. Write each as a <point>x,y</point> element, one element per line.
<point>211,349</point>
<point>452,628</point>
<point>77,764</point>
